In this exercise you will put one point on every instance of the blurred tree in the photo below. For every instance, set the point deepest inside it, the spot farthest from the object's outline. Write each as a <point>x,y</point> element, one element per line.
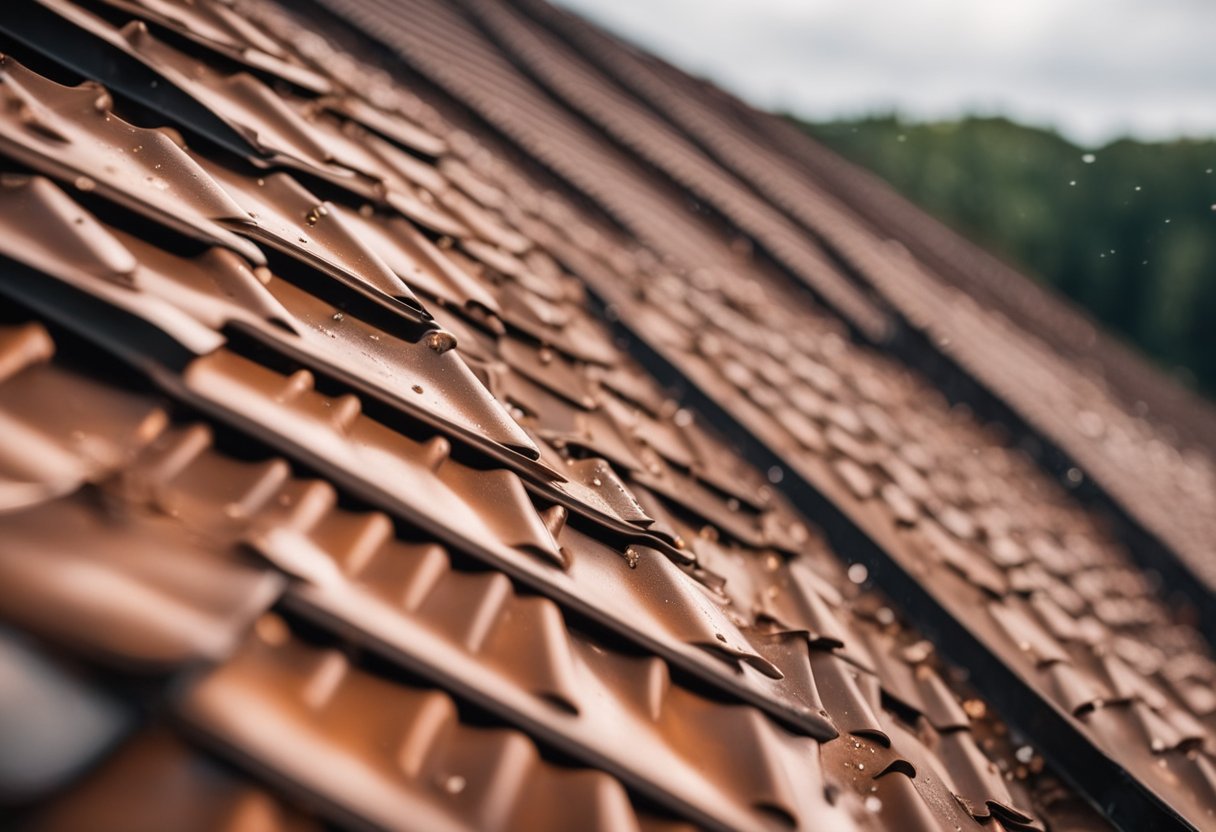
<point>1127,230</point>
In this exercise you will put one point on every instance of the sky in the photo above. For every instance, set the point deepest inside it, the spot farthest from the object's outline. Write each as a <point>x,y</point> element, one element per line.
<point>1094,69</point>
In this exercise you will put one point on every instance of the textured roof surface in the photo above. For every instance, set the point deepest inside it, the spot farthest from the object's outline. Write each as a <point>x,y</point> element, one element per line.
<point>470,422</point>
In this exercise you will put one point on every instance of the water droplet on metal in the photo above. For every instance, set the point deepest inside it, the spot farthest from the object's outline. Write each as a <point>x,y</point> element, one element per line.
<point>918,652</point>
<point>440,340</point>
<point>632,556</point>
<point>873,804</point>
<point>314,216</point>
<point>417,388</point>
<point>858,573</point>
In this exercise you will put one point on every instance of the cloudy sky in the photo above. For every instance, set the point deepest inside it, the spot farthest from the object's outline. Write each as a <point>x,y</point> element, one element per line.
<point>1095,69</point>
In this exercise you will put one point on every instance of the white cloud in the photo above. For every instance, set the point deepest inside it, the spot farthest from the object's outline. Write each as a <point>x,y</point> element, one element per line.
<point>1095,69</point>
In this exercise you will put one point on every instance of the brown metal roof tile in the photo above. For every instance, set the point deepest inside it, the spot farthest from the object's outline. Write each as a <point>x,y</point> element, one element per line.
<point>144,595</point>
<point>1073,689</point>
<point>855,477</point>
<point>391,123</point>
<point>279,212</point>
<point>264,118</point>
<point>66,241</point>
<point>977,781</point>
<point>841,688</point>
<point>1022,630</point>
<point>220,289</point>
<point>489,507</point>
<point>69,133</point>
<point>599,492</point>
<point>154,782</point>
<point>63,430</point>
<point>482,223</point>
<point>964,559</point>
<point>417,261</point>
<point>941,705</point>
<point>704,635</point>
<point>388,753</point>
<point>1197,696</point>
<point>552,371</point>
<point>567,428</point>
<point>899,804</point>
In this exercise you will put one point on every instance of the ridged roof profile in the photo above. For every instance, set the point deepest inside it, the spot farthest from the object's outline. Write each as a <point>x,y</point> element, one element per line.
<point>442,415</point>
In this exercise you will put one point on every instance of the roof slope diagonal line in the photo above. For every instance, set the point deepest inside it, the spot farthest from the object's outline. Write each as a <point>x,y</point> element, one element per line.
<point>1055,396</point>
<point>386,528</point>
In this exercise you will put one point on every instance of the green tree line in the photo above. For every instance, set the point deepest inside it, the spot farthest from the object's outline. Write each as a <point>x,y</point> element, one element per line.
<point>1127,230</point>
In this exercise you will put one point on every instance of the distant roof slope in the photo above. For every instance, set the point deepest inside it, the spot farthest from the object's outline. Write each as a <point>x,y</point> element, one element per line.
<point>758,146</point>
<point>1121,421</point>
<point>357,470</point>
<point>739,172</point>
